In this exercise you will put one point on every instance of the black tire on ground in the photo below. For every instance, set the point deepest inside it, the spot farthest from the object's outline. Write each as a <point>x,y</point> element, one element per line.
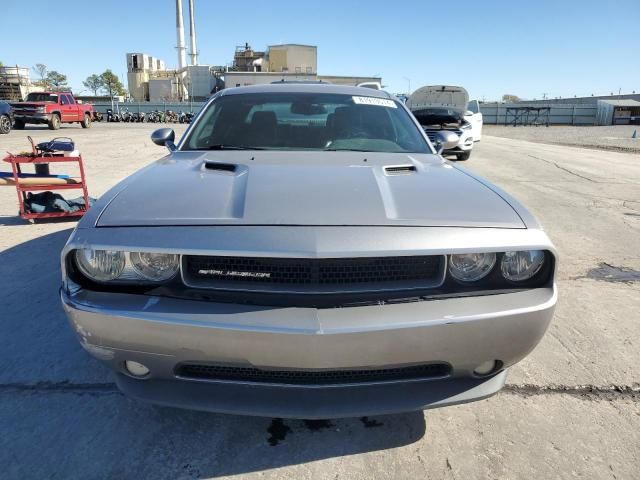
<point>18,125</point>
<point>54,123</point>
<point>461,157</point>
<point>5,124</point>
<point>86,123</point>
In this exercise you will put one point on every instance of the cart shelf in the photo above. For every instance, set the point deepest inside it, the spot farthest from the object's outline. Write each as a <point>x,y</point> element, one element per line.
<point>79,183</point>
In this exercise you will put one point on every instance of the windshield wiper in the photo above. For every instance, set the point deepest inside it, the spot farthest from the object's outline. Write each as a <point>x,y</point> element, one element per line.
<point>346,150</point>
<point>220,146</point>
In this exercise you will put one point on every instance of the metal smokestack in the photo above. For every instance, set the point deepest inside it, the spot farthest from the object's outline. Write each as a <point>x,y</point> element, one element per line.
<point>182,59</point>
<point>192,34</point>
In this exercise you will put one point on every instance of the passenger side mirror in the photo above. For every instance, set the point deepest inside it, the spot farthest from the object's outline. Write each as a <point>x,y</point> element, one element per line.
<point>164,137</point>
<point>445,140</point>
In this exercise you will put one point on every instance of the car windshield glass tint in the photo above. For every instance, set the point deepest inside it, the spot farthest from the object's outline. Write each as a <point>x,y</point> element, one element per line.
<point>42,97</point>
<point>306,121</point>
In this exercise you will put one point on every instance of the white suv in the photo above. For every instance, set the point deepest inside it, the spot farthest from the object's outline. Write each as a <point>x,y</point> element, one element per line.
<point>447,107</point>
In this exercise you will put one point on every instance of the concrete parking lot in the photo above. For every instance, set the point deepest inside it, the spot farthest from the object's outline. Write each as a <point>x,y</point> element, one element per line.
<point>570,410</point>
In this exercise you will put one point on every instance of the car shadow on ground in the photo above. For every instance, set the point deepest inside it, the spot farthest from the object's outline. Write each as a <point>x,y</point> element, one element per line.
<point>56,400</point>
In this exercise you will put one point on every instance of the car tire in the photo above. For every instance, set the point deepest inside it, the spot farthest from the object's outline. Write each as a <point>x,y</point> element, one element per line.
<point>54,123</point>
<point>5,124</point>
<point>461,157</point>
<point>86,123</point>
<point>19,125</point>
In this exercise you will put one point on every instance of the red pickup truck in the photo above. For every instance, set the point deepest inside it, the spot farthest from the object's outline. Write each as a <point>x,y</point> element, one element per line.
<point>52,108</point>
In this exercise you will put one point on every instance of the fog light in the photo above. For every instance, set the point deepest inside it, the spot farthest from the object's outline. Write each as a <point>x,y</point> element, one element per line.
<point>136,369</point>
<point>486,368</point>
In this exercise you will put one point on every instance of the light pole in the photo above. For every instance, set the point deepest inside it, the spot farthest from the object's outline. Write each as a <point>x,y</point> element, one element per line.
<point>408,85</point>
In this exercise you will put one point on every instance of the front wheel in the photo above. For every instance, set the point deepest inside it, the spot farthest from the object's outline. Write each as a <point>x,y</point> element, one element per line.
<point>461,157</point>
<point>86,123</point>
<point>54,123</point>
<point>5,124</point>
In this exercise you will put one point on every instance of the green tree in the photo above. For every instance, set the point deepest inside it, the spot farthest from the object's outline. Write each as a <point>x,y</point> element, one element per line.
<point>93,83</point>
<point>57,80</point>
<point>111,83</point>
<point>41,68</point>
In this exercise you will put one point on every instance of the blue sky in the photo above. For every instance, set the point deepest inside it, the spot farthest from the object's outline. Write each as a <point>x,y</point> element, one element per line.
<point>561,48</point>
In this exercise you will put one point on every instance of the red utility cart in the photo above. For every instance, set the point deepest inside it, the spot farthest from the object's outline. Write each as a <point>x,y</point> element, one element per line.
<point>31,184</point>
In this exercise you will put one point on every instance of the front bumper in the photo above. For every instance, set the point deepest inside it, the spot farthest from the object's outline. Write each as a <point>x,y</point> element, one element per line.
<point>33,118</point>
<point>161,333</point>
<point>464,145</point>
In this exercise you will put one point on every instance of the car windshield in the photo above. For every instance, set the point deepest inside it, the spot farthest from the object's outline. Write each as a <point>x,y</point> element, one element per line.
<point>42,97</point>
<point>305,121</point>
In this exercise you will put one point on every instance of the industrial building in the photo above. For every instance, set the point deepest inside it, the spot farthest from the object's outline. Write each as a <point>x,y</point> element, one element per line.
<point>141,68</point>
<point>15,83</point>
<point>149,80</point>
<point>286,62</point>
<point>618,112</point>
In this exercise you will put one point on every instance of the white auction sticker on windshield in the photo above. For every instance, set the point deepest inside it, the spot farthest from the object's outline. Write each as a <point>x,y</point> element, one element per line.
<point>380,102</point>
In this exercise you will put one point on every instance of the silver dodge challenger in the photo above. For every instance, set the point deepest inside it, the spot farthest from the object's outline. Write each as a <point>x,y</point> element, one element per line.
<point>304,251</point>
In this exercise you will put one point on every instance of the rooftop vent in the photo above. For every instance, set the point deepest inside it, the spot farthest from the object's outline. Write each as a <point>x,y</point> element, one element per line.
<point>400,170</point>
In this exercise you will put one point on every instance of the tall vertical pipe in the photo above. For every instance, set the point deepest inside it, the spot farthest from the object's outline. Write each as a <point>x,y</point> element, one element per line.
<point>182,59</point>
<point>192,34</point>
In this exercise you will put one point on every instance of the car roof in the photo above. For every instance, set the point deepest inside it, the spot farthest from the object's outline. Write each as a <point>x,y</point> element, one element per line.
<point>285,87</point>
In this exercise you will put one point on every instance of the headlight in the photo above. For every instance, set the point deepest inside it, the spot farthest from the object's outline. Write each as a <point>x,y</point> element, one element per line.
<point>157,267</point>
<point>469,267</point>
<point>130,268</point>
<point>522,265</point>
<point>100,265</point>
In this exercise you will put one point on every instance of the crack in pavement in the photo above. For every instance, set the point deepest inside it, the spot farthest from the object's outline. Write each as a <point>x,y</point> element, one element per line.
<point>591,392</point>
<point>551,162</point>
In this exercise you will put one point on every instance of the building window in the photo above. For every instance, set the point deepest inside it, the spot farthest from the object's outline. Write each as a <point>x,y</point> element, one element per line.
<point>237,84</point>
<point>309,70</point>
<point>285,69</point>
<point>298,69</point>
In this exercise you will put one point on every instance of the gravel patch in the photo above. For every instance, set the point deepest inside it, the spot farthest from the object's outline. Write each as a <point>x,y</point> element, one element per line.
<point>617,138</point>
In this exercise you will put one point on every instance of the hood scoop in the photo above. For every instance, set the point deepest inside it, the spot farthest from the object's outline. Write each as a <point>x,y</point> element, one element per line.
<point>400,169</point>
<point>220,167</point>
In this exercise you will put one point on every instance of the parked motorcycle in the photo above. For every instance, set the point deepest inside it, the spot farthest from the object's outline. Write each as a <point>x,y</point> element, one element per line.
<point>126,115</point>
<point>171,116</point>
<point>139,117</point>
<point>97,116</point>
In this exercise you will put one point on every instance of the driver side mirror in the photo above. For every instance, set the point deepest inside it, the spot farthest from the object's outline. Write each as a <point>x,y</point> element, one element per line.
<point>445,140</point>
<point>164,137</point>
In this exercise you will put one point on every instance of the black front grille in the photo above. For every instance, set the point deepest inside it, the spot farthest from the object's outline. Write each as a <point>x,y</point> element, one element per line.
<point>314,275</point>
<point>312,377</point>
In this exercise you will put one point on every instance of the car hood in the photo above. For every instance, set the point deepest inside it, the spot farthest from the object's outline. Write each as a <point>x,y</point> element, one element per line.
<point>305,188</point>
<point>30,104</point>
<point>438,104</point>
